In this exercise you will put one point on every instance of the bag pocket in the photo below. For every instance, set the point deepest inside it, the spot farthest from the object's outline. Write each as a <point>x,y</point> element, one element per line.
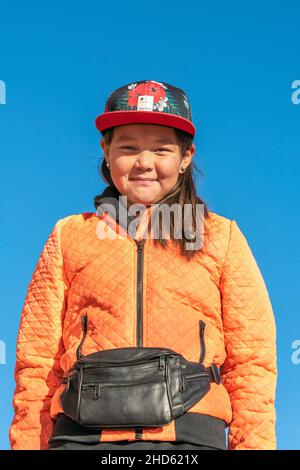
<point>125,405</point>
<point>194,387</point>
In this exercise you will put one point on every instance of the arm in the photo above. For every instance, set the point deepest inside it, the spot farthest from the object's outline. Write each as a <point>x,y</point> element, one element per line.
<point>249,372</point>
<point>39,348</point>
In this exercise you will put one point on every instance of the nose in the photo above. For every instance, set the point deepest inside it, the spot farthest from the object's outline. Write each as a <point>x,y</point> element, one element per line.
<point>145,160</point>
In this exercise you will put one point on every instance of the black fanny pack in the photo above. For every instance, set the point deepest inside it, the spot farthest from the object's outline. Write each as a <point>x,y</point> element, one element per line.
<point>135,386</point>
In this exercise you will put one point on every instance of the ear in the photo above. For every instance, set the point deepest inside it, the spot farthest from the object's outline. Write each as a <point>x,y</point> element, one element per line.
<point>186,160</point>
<point>102,143</point>
<point>104,147</point>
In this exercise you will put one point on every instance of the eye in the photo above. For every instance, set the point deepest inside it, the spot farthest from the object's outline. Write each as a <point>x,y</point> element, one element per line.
<point>163,150</point>
<point>127,147</point>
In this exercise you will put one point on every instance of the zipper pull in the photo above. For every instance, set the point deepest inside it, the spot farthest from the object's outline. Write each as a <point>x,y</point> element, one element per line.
<point>138,433</point>
<point>140,245</point>
<point>161,363</point>
<point>182,384</point>
<point>97,392</point>
<point>202,343</point>
<point>84,323</point>
<point>202,327</point>
<point>84,329</point>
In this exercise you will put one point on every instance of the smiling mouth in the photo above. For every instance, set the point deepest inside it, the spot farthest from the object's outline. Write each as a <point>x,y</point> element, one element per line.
<point>136,180</point>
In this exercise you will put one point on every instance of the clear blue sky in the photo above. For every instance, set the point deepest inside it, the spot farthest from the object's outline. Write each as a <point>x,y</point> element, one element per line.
<point>60,60</point>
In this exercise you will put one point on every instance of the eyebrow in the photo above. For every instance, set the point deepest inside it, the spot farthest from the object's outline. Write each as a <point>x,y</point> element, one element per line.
<point>162,140</point>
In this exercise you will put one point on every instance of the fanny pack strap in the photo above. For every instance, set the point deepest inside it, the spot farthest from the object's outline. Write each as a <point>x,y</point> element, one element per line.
<point>214,373</point>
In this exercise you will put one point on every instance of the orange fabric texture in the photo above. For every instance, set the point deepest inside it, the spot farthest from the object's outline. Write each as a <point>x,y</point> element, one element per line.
<point>78,273</point>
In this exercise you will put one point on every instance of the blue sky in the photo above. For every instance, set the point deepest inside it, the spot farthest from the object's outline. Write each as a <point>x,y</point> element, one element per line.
<point>236,61</point>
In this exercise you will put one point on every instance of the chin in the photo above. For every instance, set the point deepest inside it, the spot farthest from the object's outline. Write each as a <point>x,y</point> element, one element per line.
<point>141,200</point>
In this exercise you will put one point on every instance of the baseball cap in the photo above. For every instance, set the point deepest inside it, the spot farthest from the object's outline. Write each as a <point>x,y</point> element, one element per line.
<point>148,102</point>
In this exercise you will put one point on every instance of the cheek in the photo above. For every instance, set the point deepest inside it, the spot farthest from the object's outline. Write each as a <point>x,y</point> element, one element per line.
<point>169,169</point>
<point>121,166</point>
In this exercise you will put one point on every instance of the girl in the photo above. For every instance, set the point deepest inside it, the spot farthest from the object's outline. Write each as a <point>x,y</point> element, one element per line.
<point>146,289</point>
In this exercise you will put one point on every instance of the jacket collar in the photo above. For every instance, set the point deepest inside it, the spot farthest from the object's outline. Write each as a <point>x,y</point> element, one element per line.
<point>112,201</point>
<point>109,196</point>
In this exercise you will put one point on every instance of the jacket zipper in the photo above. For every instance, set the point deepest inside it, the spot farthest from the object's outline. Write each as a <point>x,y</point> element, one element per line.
<point>139,292</point>
<point>139,306</point>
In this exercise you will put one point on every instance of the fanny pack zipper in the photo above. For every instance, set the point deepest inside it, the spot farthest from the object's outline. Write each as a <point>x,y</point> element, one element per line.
<point>185,378</point>
<point>160,364</point>
<point>97,387</point>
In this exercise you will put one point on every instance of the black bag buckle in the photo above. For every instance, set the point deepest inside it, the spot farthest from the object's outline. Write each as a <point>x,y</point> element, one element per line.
<point>215,373</point>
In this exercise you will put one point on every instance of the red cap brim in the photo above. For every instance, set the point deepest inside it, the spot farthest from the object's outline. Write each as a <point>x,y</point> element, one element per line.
<point>120,118</point>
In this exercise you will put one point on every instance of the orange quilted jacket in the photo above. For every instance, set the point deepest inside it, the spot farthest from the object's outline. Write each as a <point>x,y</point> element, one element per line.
<point>78,272</point>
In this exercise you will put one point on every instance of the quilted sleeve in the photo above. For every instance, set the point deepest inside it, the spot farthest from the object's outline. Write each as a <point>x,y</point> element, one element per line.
<point>39,348</point>
<point>249,372</point>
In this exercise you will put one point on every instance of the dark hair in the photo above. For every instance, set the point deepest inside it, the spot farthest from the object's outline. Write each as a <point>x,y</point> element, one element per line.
<point>184,192</point>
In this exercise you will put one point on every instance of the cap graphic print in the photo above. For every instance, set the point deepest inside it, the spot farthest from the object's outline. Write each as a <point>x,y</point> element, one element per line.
<point>148,102</point>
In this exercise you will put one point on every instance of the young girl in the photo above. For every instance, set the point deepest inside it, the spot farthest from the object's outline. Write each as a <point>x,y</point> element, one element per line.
<point>145,290</point>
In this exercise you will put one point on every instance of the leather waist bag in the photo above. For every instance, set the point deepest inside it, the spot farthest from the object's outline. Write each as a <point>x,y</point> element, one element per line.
<point>135,386</point>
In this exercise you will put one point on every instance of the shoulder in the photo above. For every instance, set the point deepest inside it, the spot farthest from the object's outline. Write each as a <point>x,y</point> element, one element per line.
<point>223,228</point>
<point>218,225</point>
<point>74,223</point>
<point>226,236</point>
<point>220,233</point>
<point>74,231</point>
<point>80,218</point>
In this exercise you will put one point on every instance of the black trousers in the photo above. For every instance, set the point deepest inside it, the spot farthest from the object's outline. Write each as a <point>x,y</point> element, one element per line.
<point>125,445</point>
<point>193,431</point>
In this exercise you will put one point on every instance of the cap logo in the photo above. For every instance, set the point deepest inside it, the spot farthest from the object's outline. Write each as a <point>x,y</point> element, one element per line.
<point>145,103</point>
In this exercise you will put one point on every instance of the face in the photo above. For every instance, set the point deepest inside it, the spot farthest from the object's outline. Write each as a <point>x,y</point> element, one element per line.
<point>145,152</point>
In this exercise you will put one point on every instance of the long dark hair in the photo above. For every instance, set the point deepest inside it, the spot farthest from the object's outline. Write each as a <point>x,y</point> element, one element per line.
<point>184,192</point>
